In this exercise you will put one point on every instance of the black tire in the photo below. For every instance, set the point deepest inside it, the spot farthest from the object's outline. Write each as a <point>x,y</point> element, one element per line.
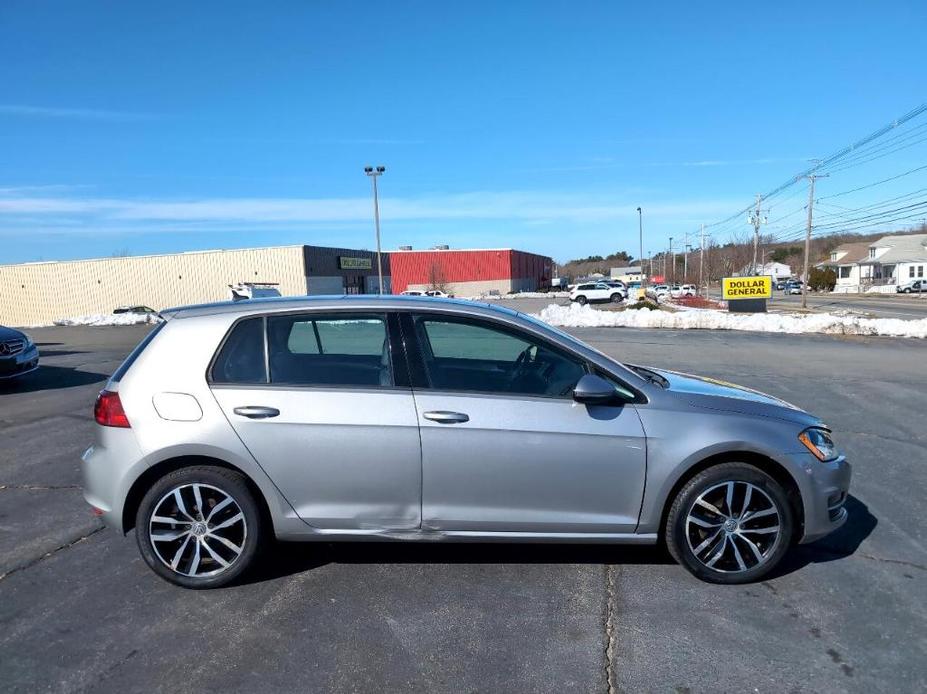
<point>581,300</point>
<point>907,291</point>
<point>678,542</point>
<point>212,480</point>
<point>617,298</point>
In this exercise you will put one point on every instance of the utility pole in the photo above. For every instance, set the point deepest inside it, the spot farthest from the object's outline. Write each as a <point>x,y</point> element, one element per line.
<point>685,258</point>
<point>804,286</point>
<point>640,229</point>
<point>374,174</point>
<point>756,219</point>
<point>701,255</point>
<point>673,266</point>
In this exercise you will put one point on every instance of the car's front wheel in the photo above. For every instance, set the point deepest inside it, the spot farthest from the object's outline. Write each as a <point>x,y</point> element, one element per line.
<point>199,527</point>
<point>731,523</point>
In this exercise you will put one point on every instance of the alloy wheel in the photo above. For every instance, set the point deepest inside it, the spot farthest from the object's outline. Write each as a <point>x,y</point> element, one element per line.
<point>198,530</point>
<point>733,527</point>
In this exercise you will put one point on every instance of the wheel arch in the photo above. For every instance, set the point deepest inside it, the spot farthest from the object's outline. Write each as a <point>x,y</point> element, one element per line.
<point>770,466</point>
<point>152,474</point>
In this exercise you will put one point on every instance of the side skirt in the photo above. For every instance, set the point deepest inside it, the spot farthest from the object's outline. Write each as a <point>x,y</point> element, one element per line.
<point>315,535</point>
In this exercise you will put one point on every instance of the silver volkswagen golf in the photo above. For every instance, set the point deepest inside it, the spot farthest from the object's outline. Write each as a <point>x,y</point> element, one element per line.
<point>409,418</point>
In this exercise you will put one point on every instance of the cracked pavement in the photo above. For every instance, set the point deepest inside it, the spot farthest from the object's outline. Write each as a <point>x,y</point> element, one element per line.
<point>79,610</point>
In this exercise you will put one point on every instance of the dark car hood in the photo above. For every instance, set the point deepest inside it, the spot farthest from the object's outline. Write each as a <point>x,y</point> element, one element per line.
<point>709,393</point>
<point>9,334</point>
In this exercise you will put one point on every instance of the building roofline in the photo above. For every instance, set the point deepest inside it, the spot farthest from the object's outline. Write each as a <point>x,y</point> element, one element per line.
<point>165,255</point>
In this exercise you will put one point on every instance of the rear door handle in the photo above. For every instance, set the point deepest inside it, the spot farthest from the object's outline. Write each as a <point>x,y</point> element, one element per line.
<point>256,411</point>
<point>443,417</point>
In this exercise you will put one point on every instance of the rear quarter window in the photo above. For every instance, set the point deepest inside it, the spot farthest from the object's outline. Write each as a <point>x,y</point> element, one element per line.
<point>241,357</point>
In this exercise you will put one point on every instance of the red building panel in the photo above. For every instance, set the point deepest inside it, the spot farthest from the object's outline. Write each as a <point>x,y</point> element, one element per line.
<point>421,267</point>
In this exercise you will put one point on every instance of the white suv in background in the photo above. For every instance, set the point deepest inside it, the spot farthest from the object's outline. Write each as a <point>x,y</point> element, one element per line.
<point>684,290</point>
<point>597,291</point>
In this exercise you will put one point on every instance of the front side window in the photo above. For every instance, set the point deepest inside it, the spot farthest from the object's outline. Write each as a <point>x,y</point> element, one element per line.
<point>332,350</point>
<point>475,356</point>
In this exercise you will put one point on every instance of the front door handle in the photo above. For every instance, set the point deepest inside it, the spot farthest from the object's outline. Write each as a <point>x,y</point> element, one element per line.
<point>443,417</point>
<point>256,411</point>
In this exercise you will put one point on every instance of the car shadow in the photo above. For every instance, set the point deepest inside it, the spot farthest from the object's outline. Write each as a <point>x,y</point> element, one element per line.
<point>840,544</point>
<point>288,558</point>
<point>51,378</point>
<point>59,352</point>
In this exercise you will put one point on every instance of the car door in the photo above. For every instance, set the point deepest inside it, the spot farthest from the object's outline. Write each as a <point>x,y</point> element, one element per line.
<point>324,406</point>
<point>504,446</point>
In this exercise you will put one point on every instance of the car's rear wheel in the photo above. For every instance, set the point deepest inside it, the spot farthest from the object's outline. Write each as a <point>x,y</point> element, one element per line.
<point>581,300</point>
<point>199,527</point>
<point>617,298</point>
<point>731,523</point>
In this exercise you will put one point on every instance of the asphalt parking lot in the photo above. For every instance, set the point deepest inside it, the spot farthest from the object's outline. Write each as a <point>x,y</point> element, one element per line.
<point>79,610</point>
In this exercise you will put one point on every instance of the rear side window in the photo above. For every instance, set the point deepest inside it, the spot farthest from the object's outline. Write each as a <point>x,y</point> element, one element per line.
<point>241,358</point>
<point>127,364</point>
<point>319,350</point>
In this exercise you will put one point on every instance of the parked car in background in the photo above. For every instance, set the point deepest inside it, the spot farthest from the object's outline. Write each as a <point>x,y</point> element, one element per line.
<point>318,419</point>
<point>253,290</point>
<point>793,287</point>
<point>912,286</point>
<point>684,290</point>
<point>18,354</point>
<point>426,292</point>
<point>597,291</point>
<point>133,309</point>
<point>658,291</point>
<point>780,284</point>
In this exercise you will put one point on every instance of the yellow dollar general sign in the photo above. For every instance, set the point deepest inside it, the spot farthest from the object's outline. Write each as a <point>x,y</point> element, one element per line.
<point>733,288</point>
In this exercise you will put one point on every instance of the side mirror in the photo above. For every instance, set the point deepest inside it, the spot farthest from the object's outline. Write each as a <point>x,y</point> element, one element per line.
<point>594,390</point>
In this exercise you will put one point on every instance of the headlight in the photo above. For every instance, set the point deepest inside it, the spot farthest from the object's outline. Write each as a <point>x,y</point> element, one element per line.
<point>819,442</point>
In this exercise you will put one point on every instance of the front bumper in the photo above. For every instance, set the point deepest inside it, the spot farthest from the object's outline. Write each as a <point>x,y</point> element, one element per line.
<point>20,364</point>
<point>824,491</point>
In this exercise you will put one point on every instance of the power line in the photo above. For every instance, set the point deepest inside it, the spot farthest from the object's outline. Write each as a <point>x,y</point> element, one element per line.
<point>827,161</point>
<point>876,183</point>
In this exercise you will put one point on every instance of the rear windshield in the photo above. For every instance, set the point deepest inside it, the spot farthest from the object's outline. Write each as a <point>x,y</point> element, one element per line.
<point>135,354</point>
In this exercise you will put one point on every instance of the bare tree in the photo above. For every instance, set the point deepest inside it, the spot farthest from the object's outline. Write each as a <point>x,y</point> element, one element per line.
<point>436,279</point>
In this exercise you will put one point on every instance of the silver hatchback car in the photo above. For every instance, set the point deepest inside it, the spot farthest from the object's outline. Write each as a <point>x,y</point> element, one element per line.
<point>409,418</point>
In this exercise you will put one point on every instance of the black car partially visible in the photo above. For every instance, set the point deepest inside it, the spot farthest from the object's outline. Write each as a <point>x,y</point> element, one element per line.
<point>18,354</point>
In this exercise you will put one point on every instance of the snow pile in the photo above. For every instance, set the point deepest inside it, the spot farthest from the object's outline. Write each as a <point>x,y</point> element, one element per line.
<point>707,319</point>
<point>101,319</point>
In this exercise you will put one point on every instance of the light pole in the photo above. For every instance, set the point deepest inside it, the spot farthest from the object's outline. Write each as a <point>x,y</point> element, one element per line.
<point>640,231</point>
<point>374,173</point>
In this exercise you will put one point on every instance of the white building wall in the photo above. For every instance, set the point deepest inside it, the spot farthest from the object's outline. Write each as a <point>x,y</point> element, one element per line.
<point>39,293</point>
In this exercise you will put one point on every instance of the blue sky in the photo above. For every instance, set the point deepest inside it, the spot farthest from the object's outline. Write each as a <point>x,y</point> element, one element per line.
<point>158,127</point>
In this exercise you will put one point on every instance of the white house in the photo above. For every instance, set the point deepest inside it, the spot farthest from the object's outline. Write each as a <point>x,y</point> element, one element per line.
<point>845,260</point>
<point>779,271</point>
<point>894,260</point>
<point>881,265</point>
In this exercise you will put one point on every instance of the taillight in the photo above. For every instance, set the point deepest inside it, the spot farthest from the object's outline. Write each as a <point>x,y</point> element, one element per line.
<point>108,410</point>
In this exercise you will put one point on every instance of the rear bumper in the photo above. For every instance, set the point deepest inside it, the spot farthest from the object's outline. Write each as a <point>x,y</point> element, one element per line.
<point>109,467</point>
<point>824,496</point>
